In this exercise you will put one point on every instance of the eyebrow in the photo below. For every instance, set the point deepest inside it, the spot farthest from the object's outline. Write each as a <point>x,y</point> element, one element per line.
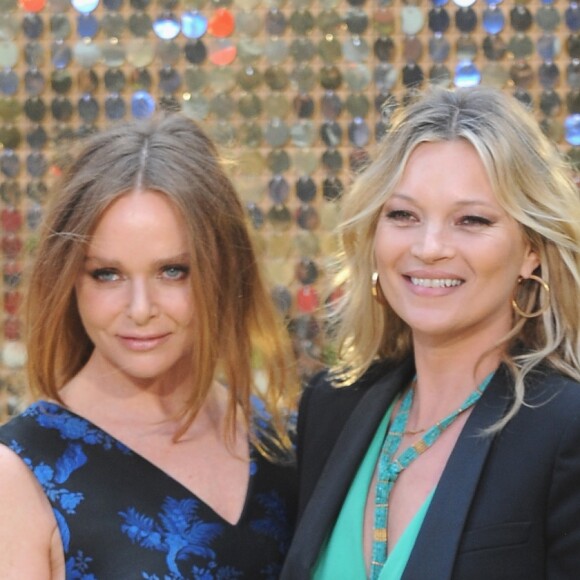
<point>177,259</point>
<point>460,203</point>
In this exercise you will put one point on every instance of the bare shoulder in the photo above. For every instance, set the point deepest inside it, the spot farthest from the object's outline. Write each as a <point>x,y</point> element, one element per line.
<point>28,532</point>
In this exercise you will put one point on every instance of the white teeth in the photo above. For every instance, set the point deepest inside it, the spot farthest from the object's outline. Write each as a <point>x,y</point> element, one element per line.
<point>435,282</point>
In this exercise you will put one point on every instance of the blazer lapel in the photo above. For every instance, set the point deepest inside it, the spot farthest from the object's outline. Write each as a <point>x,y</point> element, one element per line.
<point>333,485</point>
<point>434,553</point>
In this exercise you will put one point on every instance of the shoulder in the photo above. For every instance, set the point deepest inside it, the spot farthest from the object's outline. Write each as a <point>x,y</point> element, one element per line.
<point>324,407</point>
<point>16,426</point>
<point>28,525</point>
<point>15,472</point>
<point>22,450</point>
<point>323,386</point>
<point>558,395</point>
<point>32,427</point>
<point>550,414</point>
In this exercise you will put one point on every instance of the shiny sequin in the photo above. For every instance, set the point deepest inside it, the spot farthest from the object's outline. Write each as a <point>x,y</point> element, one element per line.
<point>167,26</point>
<point>193,24</point>
<point>493,20</point>
<point>142,105</point>
<point>84,6</point>
<point>222,23</point>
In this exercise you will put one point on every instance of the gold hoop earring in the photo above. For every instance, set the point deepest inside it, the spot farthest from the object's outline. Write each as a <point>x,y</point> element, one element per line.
<point>376,290</point>
<point>545,302</point>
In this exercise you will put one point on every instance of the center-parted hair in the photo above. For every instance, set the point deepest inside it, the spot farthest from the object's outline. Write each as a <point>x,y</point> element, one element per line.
<point>235,317</point>
<point>532,183</point>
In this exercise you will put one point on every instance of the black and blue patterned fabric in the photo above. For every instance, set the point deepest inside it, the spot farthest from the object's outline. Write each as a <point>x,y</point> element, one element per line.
<point>120,517</point>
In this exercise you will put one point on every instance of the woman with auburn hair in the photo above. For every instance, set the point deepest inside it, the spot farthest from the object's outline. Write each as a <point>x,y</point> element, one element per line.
<point>445,442</point>
<point>150,451</point>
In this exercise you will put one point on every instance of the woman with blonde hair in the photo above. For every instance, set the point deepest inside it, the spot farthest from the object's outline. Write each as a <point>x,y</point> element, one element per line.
<point>445,443</point>
<point>150,452</point>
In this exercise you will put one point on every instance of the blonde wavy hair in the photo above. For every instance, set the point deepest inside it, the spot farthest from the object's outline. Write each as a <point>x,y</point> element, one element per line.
<point>532,182</point>
<point>236,320</point>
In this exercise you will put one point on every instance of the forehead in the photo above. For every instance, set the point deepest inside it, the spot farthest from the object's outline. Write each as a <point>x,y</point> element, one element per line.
<point>456,151</point>
<point>140,220</point>
<point>444,168</point>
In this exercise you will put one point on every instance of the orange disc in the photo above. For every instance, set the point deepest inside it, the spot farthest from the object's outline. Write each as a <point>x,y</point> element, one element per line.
<point>222,23</point>
<point>33,5</point>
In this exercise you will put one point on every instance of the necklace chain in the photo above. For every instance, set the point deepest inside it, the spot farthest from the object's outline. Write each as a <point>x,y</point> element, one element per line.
<point>389,468</point>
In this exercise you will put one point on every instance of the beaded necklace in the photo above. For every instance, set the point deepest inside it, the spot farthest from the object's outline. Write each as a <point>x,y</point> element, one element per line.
<point>389,469</point>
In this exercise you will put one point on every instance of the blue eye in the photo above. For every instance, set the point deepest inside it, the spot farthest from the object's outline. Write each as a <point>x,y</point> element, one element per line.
<point>176,272</point>
<point>105,275</point>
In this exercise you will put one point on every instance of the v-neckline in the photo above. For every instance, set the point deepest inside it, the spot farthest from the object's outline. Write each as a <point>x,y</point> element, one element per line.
<point>40,404</point>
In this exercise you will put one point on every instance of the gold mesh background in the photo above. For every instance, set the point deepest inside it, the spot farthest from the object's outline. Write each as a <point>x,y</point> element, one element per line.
<point>291,90</point>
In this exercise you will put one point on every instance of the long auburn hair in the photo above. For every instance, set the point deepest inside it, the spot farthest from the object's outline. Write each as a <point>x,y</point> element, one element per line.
<point>237,323</point>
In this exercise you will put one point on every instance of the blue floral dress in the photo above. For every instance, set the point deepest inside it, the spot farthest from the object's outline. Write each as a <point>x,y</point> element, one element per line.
<point>122,518</point>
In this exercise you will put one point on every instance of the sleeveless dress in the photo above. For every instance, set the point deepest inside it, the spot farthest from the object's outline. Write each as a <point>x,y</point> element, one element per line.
<point>122,518</point>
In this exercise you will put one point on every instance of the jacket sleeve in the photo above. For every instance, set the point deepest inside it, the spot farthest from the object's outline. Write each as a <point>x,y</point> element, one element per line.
<point>563,509</point>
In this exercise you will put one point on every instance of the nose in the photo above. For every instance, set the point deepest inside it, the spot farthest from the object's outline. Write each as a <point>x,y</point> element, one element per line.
<point>433,243</point>
<point>141,304</point>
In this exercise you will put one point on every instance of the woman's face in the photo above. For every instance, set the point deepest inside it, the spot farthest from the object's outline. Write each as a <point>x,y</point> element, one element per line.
<point>447,254</point>
<point>134,294</point>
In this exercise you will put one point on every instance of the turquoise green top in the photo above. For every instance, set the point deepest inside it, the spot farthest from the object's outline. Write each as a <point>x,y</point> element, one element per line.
<point>342,557</point>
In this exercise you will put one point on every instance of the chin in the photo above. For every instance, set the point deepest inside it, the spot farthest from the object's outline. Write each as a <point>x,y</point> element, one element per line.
<point>146,373</point>
<point>425,322</point>
<point>436,330</point>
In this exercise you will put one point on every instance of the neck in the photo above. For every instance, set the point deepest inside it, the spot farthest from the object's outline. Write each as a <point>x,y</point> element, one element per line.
<point>444,380</point>
<point>109,396</point>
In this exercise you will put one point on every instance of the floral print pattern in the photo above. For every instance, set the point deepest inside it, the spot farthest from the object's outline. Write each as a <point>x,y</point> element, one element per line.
<point>119,516</point>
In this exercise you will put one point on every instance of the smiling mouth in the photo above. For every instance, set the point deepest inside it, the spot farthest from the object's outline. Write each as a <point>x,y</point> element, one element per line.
<point>143,343</point>
<point>435,282</point>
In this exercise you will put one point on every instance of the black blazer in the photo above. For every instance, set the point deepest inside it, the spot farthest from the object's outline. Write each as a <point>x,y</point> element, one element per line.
<point>507,506</point>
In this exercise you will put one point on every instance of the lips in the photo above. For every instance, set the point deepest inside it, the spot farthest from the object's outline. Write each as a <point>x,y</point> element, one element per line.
<point>143,343</point>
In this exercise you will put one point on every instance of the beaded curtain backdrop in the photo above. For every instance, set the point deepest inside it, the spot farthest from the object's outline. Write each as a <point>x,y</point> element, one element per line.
<point>295,91</point>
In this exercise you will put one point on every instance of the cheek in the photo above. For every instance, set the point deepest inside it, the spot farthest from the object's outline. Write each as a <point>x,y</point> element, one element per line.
<point>95,307</point>
<point>387,249</point>
<point>380,247</point>
<point>84,301</point>
<point>505,259</point>
<point>180,307</point>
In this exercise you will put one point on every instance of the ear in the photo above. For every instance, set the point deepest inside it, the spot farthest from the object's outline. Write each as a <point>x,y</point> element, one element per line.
<point>530,262</point>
